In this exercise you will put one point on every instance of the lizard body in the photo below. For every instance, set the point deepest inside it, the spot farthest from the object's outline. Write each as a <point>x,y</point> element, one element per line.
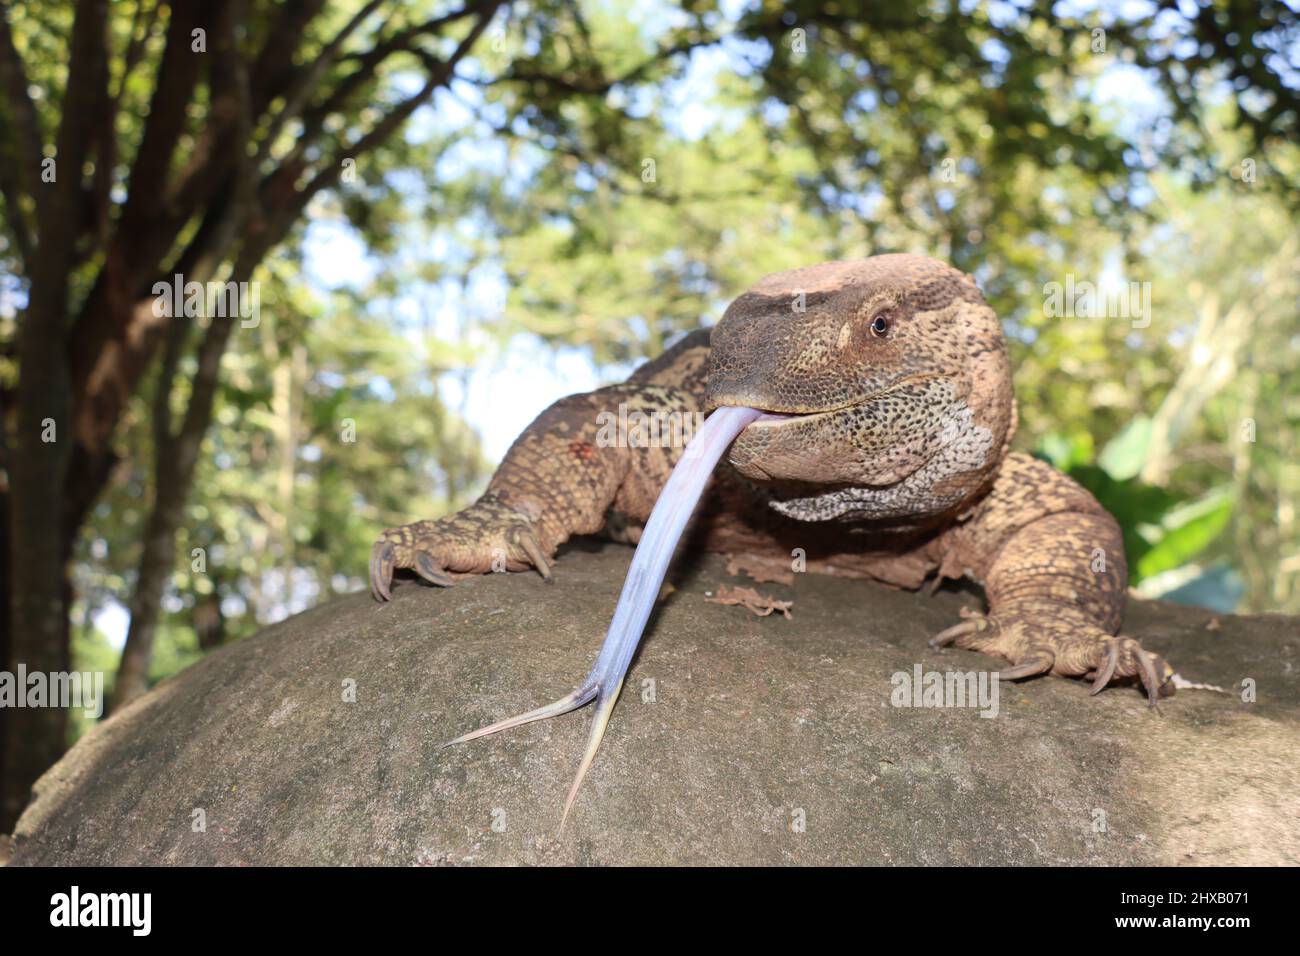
<point>886,457</point>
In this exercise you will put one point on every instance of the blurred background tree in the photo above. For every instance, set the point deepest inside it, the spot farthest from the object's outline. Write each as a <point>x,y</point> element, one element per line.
<point>457,212</point>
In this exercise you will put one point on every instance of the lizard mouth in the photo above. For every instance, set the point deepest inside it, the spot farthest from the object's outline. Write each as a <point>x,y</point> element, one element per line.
<point>842,442</point>
<point>771,423</point>
<point>774,418</point>
<point>770,417</point>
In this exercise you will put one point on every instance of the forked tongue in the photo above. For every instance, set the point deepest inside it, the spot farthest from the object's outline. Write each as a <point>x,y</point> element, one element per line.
<point>644,578</point>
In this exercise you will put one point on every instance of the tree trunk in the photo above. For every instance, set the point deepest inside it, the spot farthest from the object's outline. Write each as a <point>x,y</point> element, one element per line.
<point>38,623</point>
<point>39,543</point>
<point>6,823</point>
<point>157,557</point>
<point>176,456</point>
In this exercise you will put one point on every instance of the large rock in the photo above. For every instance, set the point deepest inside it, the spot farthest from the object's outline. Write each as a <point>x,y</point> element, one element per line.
<point>755,724</point>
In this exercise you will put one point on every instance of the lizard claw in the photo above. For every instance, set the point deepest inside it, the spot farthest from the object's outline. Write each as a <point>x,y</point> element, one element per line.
<point>1143,666</point>
<point>974,623</point>
<point>381,570</point>
<point>426,568</point>
<point>489,535</point>
<point>1039,663</point>
<point>1107,672</point>
<point>1067,648</point>
<point>1150,680</point>
<point>525,538</point>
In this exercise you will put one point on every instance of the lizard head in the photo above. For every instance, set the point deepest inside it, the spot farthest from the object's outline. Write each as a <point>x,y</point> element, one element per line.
<point>886,381</point>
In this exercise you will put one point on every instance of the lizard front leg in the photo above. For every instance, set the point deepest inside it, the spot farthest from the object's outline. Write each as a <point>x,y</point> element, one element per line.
<point>1052,563</point>
<point>558,479</point>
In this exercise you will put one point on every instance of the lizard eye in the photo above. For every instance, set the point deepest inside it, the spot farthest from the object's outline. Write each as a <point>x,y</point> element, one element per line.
<point>880,324</point>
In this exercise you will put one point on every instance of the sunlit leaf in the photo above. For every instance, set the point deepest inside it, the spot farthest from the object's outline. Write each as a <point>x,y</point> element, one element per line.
<point>1125,454</point>
<point>1188,530</point>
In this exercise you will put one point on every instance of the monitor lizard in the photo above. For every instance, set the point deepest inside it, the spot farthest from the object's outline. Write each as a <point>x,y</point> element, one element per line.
<point>885,455</point>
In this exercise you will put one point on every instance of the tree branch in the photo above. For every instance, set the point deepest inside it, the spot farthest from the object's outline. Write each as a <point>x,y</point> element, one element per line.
<point>603,86</point>
<point>267,77</point>
<point>178,73</point>
<point>58,223</point>
<point>439,73</point>
<point>27,147</point>
<point>306,80</point>
<point>368,62</point>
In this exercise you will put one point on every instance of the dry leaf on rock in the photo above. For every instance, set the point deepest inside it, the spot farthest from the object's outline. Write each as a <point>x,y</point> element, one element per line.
<point>760,604</point>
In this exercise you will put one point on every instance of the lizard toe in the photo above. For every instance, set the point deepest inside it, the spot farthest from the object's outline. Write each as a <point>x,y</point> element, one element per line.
<point>1123,657</point>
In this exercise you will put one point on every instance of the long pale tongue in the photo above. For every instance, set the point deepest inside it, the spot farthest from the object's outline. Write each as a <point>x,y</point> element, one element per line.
<point>644,578</point>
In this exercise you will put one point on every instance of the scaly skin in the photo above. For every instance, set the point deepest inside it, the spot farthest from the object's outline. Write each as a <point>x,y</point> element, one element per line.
<point>890,462</point>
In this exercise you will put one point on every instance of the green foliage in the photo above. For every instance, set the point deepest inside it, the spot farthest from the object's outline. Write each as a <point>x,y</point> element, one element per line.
<point>1124,455</point>
<point>303,463</point>
<point>91,653</point>
<point>1184,532</point>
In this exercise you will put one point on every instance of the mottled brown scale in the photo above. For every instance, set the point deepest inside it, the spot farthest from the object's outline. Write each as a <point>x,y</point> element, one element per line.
<point>890,462</point>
